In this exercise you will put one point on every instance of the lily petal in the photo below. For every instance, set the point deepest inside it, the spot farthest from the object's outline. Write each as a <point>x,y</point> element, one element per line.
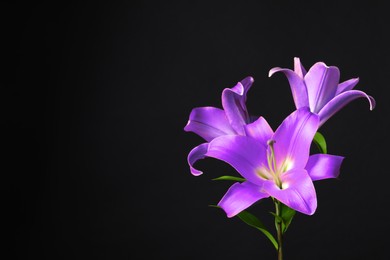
<point>347,85</point>
<point>247,83</point>
<point>339,101</point>
<point>324,166</point>
<point>321,82</point>
<point>239,197</point>
<point>297,191</point>
<point>243,153</point>
<point>233,102</point>
<point>196,154</point>
<point>209,123</point>
<point>260,130</point>
<point>297,85</point>
<point>298,68</point>
<point>293,138</point>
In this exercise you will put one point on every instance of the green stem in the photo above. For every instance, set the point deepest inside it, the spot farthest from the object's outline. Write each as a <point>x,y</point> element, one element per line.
<point>278,224</point>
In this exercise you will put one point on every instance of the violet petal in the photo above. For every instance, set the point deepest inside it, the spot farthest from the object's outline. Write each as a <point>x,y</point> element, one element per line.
<point>297,85</point>
<point>260,130</point>
<point>196,154</point>
<point>239,197</point>
<point>298,68</point>
<point>339,101</point>
<point>293,138</point>
<point>324,166</point>
<point>233,102</point>
<point>209,123</point>
<point>346,85</point>
<point>321,82</point>
<point>297,191</point>
<point>242,152</point>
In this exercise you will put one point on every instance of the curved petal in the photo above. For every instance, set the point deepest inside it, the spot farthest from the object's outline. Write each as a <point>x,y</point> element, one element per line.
<point>346,85</point>
<point>340,101</point>
<point>233,102</point>
<point>293,139</point>
<point>321,82</point>
<point>298,68</point>
<point>324,166</point>
<point>196,154</point>
<point>209,123</point>
<point>247,83</point>
<point>297,85</point>
<point>297,191</point>
<point>260,130</point>
<point>243,153</point>
<point>239,197</point>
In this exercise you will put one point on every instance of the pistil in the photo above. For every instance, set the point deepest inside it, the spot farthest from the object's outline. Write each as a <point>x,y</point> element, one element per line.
<point>272,163</point>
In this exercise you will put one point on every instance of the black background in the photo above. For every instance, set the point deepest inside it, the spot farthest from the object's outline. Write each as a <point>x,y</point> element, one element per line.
<point>94,99</point>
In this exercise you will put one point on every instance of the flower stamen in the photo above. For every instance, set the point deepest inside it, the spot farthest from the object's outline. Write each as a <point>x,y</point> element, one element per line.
<point>272,163</point>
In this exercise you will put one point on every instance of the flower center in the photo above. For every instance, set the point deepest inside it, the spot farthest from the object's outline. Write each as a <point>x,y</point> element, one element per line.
<point>272,167</point>
<point>271,171</point>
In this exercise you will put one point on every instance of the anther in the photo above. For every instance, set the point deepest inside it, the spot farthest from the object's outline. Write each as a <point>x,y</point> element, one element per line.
<point>271,142</point>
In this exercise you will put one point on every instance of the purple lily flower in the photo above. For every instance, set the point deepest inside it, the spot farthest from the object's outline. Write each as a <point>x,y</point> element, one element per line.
<point>275,164</point>
<point>319,89</point>
<point>212,122</point>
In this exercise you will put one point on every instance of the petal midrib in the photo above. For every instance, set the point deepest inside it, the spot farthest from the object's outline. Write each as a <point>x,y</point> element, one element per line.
<point>319,92</point>
<point>293,146</point>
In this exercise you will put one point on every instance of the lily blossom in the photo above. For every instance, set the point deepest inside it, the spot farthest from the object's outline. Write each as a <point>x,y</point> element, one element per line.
<point>320,90</point>
<point>274,164</point>
<point>212,122</point>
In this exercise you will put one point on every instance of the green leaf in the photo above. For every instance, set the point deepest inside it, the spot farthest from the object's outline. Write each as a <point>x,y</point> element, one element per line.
<point>319,140</point>
<point>277,218</point>
<point>253,221</point>
<point>287,216</point>
<point>229,178</point>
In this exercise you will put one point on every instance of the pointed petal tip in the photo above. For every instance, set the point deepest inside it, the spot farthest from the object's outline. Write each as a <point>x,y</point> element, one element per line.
<point>372,102</point>
<point>370,99</point>
<point>247,83</point>
<point>323,64</point>
<point>273,71</point>
<point>195,172</point>
<point>311,213</point>
<point>237,89</point>
<point>297,60</point>
<point>196,154</point>
<point>310,210</point>
<point>249,78</point>
<point>185,128</point>
<point>229,214</point>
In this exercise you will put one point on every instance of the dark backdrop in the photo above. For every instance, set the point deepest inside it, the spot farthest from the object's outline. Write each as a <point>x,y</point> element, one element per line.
<point>94,99</point>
